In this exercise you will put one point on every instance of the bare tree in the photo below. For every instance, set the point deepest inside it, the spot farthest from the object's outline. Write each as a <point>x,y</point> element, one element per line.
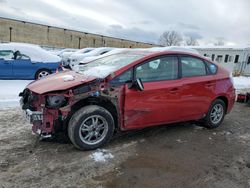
<point>191,41</point>
<point>170,38</point>
<point>219,42</point>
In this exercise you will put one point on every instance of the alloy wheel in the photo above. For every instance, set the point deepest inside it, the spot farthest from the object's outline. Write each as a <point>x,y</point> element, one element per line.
<point>93,129</point>
<point>217,113</point>
<point>43,74</point>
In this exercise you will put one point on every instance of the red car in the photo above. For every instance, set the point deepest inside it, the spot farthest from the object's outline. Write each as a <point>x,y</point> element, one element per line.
<point>130,90</point>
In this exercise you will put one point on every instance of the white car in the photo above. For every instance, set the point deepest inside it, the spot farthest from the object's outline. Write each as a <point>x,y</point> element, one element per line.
<point>66,50</point>
<point>77,57</point>
<point>66,56</point>
<point>113,51</point>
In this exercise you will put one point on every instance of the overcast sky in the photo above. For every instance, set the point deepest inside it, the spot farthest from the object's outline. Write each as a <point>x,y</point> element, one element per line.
<point>141,20</point>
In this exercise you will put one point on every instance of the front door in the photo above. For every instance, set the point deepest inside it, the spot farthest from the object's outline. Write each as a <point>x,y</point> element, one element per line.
<point>159,102</point>
<point>23,67</point>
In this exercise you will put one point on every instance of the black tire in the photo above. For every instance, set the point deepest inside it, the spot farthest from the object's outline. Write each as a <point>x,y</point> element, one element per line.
<point>40,71</point>
<point>208,121</point>
<point>82,115</point>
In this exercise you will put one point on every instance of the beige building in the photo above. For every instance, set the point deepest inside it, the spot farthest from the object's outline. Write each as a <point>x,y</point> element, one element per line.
<point>21,31</point>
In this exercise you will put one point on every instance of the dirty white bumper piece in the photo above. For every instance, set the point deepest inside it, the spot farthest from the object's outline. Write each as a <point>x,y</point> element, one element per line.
<point>32,116</point>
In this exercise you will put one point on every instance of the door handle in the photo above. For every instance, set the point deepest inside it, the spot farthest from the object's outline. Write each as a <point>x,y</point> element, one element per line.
<point>209,84</point>
<point>174,90</point>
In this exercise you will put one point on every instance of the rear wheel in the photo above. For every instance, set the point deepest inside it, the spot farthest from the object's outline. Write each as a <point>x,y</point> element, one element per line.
<point>215,114</point>
<point>90,127</point>
<point>42,74</point>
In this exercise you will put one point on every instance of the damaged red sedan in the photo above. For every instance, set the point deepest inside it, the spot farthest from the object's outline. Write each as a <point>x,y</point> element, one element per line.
<point>130,90</point>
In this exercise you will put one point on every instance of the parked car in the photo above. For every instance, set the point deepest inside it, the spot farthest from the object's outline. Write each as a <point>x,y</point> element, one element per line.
<point>75,58</point>
<point>26,61</point>
<point>65,50</point>
<point>92,58</point>
<point>66,55</point>
<point>125,91</point>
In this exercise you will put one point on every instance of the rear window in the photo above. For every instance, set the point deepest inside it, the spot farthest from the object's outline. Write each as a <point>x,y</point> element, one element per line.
<point>212,68</point>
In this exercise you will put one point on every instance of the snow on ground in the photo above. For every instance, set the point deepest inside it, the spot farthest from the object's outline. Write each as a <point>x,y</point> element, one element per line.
<point>101,155</point>
<point>9,90</point>
<point>241,82</point>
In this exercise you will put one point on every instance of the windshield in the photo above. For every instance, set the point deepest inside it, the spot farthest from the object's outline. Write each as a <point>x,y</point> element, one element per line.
<point>104,66</point>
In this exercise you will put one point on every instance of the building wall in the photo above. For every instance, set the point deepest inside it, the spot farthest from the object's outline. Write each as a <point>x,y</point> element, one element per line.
<point>20,31</point>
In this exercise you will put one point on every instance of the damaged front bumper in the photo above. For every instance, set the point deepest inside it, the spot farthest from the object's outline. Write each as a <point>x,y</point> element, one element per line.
<point>36,118</point>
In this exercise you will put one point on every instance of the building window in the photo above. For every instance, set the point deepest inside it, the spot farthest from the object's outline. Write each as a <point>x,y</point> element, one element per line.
<point>219,58</point>
<point>226,58</point>
<point>213,57</point>
<point>236,59</point>
<point>230,58</point>
<point>248,62</point>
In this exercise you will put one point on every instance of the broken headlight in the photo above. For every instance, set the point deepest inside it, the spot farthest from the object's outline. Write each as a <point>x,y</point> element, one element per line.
<point>56,101</point>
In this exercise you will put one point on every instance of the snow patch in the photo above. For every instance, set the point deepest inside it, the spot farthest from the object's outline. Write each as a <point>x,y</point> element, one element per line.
<point>101,155</point>
<point>10,90</point>
<point>241,82</point>
<point>245,137</point>
<point>68,77</point>
<point>100,71</point>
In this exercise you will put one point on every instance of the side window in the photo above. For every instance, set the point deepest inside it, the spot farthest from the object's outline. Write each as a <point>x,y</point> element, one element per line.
<point>192,67</point>
<point>6,54</point>
<point>122,78</point>
<point>163,68</point>
<point>211,67</point>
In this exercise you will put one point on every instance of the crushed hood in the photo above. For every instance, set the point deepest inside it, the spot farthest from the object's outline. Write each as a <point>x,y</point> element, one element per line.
<point>59,81</point>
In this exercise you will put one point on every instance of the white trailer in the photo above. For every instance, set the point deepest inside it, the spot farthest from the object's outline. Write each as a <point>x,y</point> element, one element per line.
<point>236,59</point>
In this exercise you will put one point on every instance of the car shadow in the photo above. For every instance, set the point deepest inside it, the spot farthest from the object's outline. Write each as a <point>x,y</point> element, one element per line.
<point>125,136</point>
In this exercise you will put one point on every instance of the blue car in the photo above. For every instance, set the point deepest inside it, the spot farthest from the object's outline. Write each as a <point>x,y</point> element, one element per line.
<point>16,64</point>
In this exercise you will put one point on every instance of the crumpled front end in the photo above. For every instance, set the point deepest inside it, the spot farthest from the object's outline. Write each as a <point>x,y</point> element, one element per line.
<point>42,117</point>
<point>49,112</point>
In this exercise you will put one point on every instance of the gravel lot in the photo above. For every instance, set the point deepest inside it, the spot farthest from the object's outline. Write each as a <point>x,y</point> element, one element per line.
<point>182,155</point>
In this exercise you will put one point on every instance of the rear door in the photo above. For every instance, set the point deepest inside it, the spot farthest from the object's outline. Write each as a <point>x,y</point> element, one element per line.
<point>198,87</point>
<point>159,102</point>
<point>6,63</point>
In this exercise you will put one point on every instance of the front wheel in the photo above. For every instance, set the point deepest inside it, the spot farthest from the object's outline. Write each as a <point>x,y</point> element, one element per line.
<point>90,127</point>
<point>215,114</point>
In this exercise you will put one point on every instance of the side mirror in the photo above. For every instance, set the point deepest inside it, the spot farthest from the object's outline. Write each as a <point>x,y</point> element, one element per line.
<point>137,84</point>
